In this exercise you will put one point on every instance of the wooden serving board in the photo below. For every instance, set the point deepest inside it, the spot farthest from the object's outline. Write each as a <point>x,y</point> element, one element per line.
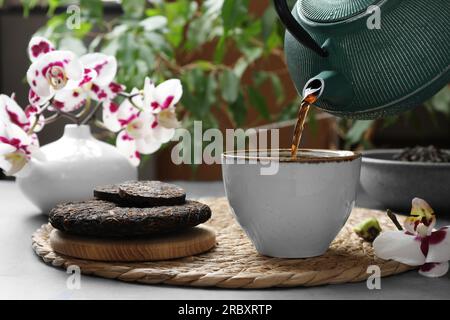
<point>171,246</point>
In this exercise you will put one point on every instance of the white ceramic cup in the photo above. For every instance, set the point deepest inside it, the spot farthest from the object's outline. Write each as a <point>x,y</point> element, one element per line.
<point>298,209</point>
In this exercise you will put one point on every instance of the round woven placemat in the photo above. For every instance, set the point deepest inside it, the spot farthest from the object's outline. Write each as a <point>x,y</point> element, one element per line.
<point>234,263</point>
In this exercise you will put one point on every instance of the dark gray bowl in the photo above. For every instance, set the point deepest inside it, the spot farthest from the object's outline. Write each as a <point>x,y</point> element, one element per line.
<point>395,183</point>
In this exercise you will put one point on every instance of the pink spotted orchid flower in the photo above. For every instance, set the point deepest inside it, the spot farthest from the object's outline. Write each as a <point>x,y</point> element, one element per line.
<point>18,141</point>
<point>15,148</point>
<point>146,120</point>
<point>97,83</point>
<point>51,70</point>
<point>420,244</point>
<point>161,100</point>
<point>11,112</point>
<point>68,80</point>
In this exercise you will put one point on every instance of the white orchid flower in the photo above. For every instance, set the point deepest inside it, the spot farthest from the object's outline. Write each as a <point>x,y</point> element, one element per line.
<point>419,244</point>
<point>97,84</point>
<point>135,125</point>
<point>51,70</point>
<point>68,80</point>
<point>11,112</point>
<point>16,148</point>
<point>39,46</point>
<point>103,86</point>
<point>161,100</point>
<point>146,120</point>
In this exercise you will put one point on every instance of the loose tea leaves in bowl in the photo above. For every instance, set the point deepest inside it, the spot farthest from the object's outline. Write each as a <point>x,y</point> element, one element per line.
<point>429,154</point>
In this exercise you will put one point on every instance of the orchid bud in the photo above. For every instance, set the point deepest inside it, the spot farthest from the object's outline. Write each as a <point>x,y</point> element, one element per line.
<point>368,229</point>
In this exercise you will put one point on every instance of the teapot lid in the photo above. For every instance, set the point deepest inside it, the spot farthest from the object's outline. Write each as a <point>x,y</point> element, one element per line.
<point>326,11</point>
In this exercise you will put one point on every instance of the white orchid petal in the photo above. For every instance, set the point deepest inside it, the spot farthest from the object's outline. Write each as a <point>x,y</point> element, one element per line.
<point>17,161</point>
<point>105,93</point>
<point>439,245</point>
<point>169,93</point>
<point>69,100</point>
<point>127,113</point>
<point>40,69</point>
<point>15,132</point>
<point>104,65</point>
<point>168,119</point>
<point>34,144</point>
<point>127,146</point>
<point>148,144</point>
<point>434,270</point>
<point>5,165</point>
<point>31,112</point>
<point>35,99</point>
<point>163,135</point>
<point>398,246</point>
<point>6,148</point>
<point>111,116</point>
<point>113,89</point>
<point>137,99</point>
<point>89,76</point>
<point>149,98</point>
<point>38,47</point>
<point>11,112</point>
<point>75,70</point>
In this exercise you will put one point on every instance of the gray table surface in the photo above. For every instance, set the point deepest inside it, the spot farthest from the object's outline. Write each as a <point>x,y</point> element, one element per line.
<point>24,276</point>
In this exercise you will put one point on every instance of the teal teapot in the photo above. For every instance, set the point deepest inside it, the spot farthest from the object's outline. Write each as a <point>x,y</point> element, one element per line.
<point>370,58</point>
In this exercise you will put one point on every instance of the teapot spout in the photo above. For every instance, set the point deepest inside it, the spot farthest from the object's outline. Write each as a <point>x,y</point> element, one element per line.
<point>335,89</point>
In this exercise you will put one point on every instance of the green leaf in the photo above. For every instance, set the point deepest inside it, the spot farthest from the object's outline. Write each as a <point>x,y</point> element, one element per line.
<point>259,103</point>
<point>56,21</point>
<point>27,6</point>
<point>133,8</point>
<point>229,84</point>
<point>357,131</point>
<point>238,110</point>
<point>260,77</point>
<point>83,30</point>
<point>252,54</point>
<point>200,92</point>
<point>72,44</point>
<point>441,101</point>
<point>219,53</point>
<point>290,111</point>
<point>153,23</point>
<point>204,65</point>
<point>277,87</point>
<point>233,11</point>
<point>204,27</point>
<point>92,8</point>
<point>52,5</point>
<point>269,20</point>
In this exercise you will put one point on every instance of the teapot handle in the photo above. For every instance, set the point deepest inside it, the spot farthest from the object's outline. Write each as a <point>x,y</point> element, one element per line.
<point>296,29</point>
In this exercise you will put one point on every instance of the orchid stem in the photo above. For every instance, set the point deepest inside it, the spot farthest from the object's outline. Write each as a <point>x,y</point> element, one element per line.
<point>37,117</point>
<point>52,119</point>
<point>128,95</point>
<point>91,114</point>
<point>86,110</point>
<point>69,116</point>
<point>394,219</point>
